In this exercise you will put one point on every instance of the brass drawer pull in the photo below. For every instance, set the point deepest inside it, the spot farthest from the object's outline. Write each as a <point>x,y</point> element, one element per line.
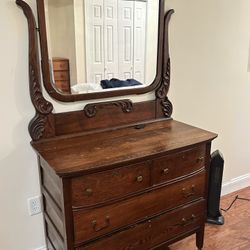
<point>115,173</point>
<point>89,191</point>
<point>139,178</point>
<point>200,159</point>
<point>189,193</point>
<point>165,171</point>
<point>107,224</point>
<point>186,222</point>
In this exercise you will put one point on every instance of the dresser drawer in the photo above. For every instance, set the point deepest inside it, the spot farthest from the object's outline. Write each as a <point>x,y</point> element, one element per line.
<point>179,164</point>
<point>97,188</point>
<point>91,223</point>
<point>61,65</point>
<point>61,75</point>
<point>154,231</point>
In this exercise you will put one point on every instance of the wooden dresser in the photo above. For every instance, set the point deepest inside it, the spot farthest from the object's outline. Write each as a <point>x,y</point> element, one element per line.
<point>125,189</point>
<point>116,174</point>
<point>61,72</point>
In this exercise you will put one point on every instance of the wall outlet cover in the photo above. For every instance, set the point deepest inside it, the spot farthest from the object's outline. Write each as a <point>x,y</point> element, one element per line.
<point>35,205</point>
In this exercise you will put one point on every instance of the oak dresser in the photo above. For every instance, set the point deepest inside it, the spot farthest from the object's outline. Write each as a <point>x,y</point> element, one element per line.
<point>116,174</point>
<point>125,189</point>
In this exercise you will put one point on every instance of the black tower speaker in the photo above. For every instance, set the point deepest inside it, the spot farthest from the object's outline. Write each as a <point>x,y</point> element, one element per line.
<point>214,215</point>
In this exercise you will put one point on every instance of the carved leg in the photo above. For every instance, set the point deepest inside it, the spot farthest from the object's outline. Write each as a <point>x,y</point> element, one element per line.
<point>200,238</point>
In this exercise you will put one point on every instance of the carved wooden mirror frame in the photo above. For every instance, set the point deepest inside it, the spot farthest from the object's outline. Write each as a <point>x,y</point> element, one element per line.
<point>51,89</point>
<point>98,116</point>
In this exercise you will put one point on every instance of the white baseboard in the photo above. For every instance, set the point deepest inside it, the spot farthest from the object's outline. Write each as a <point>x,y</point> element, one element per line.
<point>236,184</point>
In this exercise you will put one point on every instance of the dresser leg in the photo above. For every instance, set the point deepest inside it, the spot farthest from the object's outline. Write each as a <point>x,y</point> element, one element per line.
<point>200,238</point>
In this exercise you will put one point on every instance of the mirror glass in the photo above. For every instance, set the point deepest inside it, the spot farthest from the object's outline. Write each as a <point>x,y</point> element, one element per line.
<point>102,45</point>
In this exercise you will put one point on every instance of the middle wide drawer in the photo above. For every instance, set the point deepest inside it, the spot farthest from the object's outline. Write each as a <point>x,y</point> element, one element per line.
<point>92,223</point>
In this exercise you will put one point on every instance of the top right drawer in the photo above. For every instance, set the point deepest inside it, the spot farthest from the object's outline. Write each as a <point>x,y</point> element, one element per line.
<point>178,165</point>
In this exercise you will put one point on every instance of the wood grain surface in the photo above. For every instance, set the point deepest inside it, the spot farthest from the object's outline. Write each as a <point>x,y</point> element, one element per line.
<point>98,151</point>
<point>233,235</point>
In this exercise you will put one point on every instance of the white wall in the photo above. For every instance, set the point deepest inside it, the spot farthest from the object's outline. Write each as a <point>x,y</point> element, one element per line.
<point>18,168</point>
<point>210,85</point>
<point>210,88</point>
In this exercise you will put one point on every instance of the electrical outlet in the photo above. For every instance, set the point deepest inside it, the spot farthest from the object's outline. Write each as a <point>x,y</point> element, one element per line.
<point>35,205</point>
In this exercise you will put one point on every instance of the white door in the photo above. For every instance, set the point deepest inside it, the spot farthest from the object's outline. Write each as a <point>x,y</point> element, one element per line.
<point>115,33</point>
<point>126,38</point>
<point>101,39</point>
<point>94,35</point>
<point>140,19</point>
<point>111,39</point>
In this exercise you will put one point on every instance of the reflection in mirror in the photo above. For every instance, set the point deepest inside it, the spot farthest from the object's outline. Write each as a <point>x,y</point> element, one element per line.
<point>102,45</point>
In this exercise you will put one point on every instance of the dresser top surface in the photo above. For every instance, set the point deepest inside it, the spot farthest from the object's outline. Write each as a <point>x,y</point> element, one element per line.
<point>94,152</point>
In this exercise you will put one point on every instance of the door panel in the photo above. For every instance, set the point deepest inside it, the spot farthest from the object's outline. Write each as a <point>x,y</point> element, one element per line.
<point>140,19</point>
<point>111,39</point>
<point>126,38</point>
<point>94,10</point>
<point>115,39</point>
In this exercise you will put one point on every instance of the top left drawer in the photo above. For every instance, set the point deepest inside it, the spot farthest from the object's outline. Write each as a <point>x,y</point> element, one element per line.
<point>100,187</point>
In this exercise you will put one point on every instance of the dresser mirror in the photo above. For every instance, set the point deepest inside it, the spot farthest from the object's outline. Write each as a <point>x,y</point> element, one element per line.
<point>99,48</point>
<point>97,114</point>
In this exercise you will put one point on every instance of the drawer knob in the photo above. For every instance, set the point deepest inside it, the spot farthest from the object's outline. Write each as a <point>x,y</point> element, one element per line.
<point>200,159</point>
<point>188,193</point>
<point>106,225</point>
<point>89,191</point>
<point>186,222</point>
<point>139,178</point>
<point>165,171</point>
<point>115,173</point>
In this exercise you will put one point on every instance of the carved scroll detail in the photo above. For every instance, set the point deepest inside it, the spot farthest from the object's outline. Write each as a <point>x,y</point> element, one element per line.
<point>39,124</point>
<point>162,91</point>
<point>37,127</point>
<point>40,103</point>
<point>90,110</point>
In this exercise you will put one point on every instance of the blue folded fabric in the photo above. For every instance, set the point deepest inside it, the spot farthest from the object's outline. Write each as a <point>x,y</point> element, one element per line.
<point>116,83</point>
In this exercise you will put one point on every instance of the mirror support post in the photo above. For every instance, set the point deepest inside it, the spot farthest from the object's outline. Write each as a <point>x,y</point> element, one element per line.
<point>42,125</point>
<point>164,107</point>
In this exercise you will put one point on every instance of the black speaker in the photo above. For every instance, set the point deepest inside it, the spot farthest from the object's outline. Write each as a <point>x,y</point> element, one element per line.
<point>214,215</point>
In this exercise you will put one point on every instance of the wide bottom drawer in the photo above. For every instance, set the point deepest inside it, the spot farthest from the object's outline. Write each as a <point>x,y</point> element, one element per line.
<point>155,231</point>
